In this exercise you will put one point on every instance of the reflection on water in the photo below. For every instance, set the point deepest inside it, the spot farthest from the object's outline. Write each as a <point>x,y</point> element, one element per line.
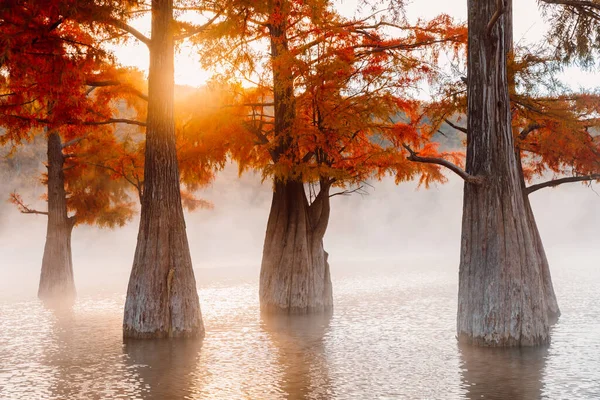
<point>164,367</point>
<point>299,342</point>
<point>391,336</point>
<point>502,373</point>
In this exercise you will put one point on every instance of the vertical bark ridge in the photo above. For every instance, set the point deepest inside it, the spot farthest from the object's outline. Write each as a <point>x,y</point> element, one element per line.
<point>56,278</point>
<point>162,300</point>
<point>552,303</point>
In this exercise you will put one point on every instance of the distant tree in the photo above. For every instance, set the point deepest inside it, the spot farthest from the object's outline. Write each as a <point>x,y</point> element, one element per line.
<point>162,300</point>
<point>323,112</point>
<point>47,70</point>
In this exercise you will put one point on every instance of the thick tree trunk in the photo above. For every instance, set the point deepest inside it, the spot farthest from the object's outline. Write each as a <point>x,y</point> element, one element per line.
<point>294,276</point>
<point>56,279</point>
<point>501,300</point>
<point>162,300</point>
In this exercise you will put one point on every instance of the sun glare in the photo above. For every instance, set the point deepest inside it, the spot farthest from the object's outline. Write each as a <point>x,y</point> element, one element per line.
<point>187,62</point>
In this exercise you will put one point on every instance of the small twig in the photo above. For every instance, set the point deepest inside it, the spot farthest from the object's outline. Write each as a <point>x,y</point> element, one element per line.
<point>360,190</point>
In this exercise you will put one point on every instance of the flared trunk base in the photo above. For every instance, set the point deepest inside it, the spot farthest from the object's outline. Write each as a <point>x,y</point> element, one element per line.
<point>295,276</point>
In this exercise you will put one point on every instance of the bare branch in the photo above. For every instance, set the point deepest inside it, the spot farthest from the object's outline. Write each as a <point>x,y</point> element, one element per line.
<point>478,180</point>
<point>120,173</point>
<point>360,190</point>
<point>528,129</point>
<point>73,142</point>
<point>114,121</point>
<point>499,11</point>
<point>556,182</point>
<point>457,127</point>
<point>199,29</point>
<point>130,29</point>
<point>89,123</point>
<point>16,199</point>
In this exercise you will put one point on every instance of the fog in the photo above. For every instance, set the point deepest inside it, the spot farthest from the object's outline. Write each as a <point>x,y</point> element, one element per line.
<point>394,225</point>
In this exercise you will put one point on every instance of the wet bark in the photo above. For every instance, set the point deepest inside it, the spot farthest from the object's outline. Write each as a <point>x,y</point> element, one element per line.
<point>294,276</point>
<point>56,279</point>
<point>162,300</point>
<point>501,300</point>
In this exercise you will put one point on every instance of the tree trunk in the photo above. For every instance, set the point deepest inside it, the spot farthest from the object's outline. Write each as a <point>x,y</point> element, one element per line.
<point>162,300</point>
<point>501,300</point>
<point>294,276</point>
<point>56,278</point>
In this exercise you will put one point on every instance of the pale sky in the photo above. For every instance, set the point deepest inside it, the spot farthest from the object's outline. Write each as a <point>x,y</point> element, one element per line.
<point>528,24</point>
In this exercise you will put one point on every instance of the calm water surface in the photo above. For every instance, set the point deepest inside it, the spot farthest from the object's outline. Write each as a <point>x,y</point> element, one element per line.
<point>391,336</point>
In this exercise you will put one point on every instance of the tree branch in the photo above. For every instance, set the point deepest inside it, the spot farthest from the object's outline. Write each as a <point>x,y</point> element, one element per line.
<point>95,84</point>
<point>16,199</point>
<point>359,190</point>
<point>495,17</point>
<point>114,121</point>
<point>130,29</point>
<point>528,129</point>
<point>88,123</point>
<point>120,173</point>
<point>199,29</point>
<point>556,182</point>
<point>457,127</point>
<point>478,180</point>
<point>73,142</point>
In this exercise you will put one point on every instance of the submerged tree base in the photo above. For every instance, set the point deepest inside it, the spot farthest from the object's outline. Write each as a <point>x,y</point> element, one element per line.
<point>295,276</point>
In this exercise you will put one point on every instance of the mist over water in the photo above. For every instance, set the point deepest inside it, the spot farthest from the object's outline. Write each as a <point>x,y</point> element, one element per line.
<point>394,258</point>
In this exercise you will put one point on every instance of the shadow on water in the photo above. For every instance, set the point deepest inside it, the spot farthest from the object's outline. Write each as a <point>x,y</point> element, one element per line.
<point>488,373</point>
<point>165,368</point>
<point>301,356</point>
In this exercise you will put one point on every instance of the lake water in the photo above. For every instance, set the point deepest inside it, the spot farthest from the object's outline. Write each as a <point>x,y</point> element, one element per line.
<point>392,335</point>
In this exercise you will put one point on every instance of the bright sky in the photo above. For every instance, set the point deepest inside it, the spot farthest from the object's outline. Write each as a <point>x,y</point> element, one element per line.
<point>528,23</point>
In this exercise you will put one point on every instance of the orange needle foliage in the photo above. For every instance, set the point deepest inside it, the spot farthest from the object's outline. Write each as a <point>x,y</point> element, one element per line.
<point>56,76</point>
<point>51,76</point>
<point>348,86</point>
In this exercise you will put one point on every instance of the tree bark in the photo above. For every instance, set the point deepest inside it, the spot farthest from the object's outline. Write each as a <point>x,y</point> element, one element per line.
<point>162,300</point>
<point>552,303</point>
<point>56,278</point>
<point>295,277</point>
<point>501,300</point>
